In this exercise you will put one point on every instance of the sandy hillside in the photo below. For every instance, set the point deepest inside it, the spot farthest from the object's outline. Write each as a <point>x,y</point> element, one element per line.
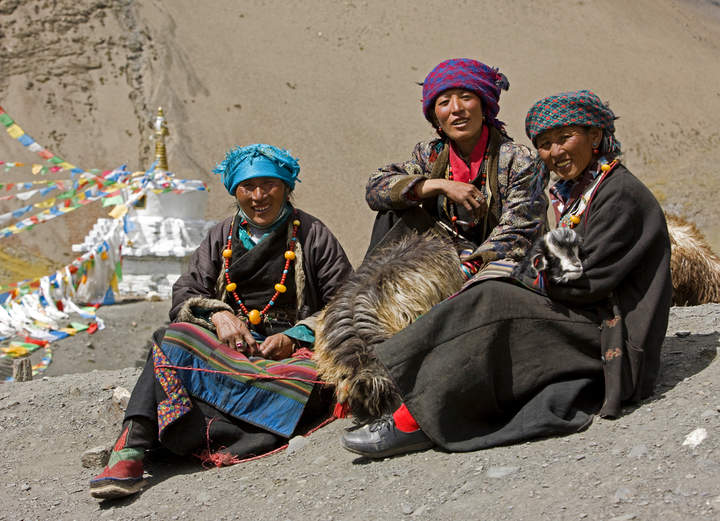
<point>335,82</point>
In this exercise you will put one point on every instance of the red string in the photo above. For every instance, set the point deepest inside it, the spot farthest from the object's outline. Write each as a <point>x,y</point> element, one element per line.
<point>246,375</point>
<point>219,459</point>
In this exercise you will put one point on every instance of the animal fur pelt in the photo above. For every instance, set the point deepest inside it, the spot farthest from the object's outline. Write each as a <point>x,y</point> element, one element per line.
<point>694,268</point>
<point>392,288</point>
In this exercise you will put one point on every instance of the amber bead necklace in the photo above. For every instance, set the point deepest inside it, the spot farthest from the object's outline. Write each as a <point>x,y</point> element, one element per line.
<point>255,316</point>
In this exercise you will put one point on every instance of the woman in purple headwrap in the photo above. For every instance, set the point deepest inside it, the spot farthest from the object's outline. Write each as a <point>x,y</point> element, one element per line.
<point>472,179</point>
<point>504,361</point>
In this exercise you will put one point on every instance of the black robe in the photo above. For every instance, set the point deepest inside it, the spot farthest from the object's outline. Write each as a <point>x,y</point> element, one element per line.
<point>499,363</point>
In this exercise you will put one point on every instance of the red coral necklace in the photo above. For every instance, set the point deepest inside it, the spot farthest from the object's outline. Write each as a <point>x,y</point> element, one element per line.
<point>254,316</point>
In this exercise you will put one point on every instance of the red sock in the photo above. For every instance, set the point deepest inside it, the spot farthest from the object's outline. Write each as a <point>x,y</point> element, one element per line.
<point>404,420</point>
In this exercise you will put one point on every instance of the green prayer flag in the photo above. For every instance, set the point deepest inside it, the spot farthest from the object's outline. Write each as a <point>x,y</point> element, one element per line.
<point>6,120</point>
<point>78,326</point>
<point>56,160</point>
<point>109,201</point>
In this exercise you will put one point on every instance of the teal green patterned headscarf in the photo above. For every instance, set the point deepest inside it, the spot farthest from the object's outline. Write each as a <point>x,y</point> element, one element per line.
<point>580,107</point>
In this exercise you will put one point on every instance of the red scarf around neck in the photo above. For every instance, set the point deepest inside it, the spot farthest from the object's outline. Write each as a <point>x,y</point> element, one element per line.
<point>460,170</point>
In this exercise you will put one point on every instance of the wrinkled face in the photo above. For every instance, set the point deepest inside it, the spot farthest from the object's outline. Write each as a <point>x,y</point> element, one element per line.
<point>567,151</point>
<point>459,114</point>
<point>262,198</point>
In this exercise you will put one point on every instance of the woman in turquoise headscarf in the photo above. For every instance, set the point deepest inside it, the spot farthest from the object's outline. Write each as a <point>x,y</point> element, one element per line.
<point>233,370</point>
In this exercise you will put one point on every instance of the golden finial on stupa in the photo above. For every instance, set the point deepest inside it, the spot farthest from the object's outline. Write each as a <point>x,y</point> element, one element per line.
<point>159,134</point>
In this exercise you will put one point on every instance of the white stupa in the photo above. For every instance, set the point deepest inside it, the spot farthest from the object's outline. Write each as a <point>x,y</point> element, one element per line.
<point>161,229</point>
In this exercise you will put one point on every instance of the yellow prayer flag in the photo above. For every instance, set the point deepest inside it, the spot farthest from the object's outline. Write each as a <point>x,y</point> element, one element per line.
<point>45,204</point>
<point>66,165</point>
<point>36,169</point>
<point>15,131</point>
<point>68,330</point>
<point>118,211</point>
<point>15,351</point>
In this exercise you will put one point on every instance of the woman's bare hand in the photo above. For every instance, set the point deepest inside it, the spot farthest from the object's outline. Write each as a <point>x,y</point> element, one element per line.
<point>233,331</point>
<point>465,194</point>
<point>277,347</point>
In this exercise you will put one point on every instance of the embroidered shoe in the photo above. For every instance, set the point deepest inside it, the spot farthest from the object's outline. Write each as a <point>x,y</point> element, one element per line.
<point>124,478</point>
<point>123,474</point>
<point>381,438</point>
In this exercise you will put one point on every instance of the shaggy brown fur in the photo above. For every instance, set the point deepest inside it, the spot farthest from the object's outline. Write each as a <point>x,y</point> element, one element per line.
<point>694,267</point>
<point>391,289</point>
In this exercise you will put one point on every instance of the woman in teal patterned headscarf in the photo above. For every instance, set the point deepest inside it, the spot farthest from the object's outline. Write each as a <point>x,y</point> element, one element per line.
<point>232,374</point>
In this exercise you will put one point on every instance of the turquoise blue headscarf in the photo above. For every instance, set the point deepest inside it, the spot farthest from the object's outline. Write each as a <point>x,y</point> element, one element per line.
<point>243,163</point>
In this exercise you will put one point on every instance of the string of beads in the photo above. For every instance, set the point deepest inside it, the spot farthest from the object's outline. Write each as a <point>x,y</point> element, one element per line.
<point>255,316</point>
<point>572,218</point>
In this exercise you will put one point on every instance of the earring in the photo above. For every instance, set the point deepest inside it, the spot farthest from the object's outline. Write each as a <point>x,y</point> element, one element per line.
<point>595,148</point>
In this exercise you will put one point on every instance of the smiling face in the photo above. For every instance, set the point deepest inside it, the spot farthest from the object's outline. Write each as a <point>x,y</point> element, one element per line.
<point>459,114</point>
<point>262,199</point>
<point>567,151</point>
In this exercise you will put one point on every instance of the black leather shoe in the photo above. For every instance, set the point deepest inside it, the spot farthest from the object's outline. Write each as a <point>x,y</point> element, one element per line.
<point>381,438</point>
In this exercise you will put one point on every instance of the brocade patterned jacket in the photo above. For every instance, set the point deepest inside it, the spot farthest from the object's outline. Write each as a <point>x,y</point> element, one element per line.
<point>517,202</point>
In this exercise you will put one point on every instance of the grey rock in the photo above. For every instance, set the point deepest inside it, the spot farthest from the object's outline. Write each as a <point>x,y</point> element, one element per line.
<point>407,509</point>
<point>95,457</point>
<point>622,494</point>
<point>682,334</point>
<point>501,472</point>
<point>121,396</point>
<point>624,517</point>
<point>638,451</point>
<point>297,443</point>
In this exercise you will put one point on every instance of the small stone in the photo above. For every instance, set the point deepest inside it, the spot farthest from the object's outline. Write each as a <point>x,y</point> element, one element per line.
<point>407,509</point>
<point>95,457</point>
<point>297,443</point>
<point>622,494</point>
<point>320,460</point>
<point>638,451</point>
<point>714,503</point>
<point>695,438</point>
<point>121,396</point>
<point>708,414</point>
<point>25,486</point>
<point>501,472</point>
<point>90,345</point>
<point>624,517</point>
<point>682,334</point>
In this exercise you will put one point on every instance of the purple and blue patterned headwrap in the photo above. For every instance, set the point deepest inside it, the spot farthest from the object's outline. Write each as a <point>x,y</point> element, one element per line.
<point>580,107</point>
<point>463,73</point>
<point>243,163</point>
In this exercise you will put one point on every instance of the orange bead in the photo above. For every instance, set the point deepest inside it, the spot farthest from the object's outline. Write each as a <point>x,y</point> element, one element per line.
<point>296,223</point>
<point>574,219</point>
<point>231,287</point>
<point>227,253</point>
<point>254,317</point>
<point>290,255</point>
<point>104,255</point>
<point>280,288</point>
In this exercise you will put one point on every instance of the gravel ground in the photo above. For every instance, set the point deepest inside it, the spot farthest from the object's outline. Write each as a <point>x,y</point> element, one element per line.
<point>641,466</point>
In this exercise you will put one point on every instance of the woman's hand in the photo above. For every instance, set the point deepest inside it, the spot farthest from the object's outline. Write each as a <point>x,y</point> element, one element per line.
<point>233,331</point>
<point>277,347</point>
<point>465,194</point>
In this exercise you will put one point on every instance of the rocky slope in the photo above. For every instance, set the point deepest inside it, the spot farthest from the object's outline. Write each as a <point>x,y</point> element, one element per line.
<point>652,463</point>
